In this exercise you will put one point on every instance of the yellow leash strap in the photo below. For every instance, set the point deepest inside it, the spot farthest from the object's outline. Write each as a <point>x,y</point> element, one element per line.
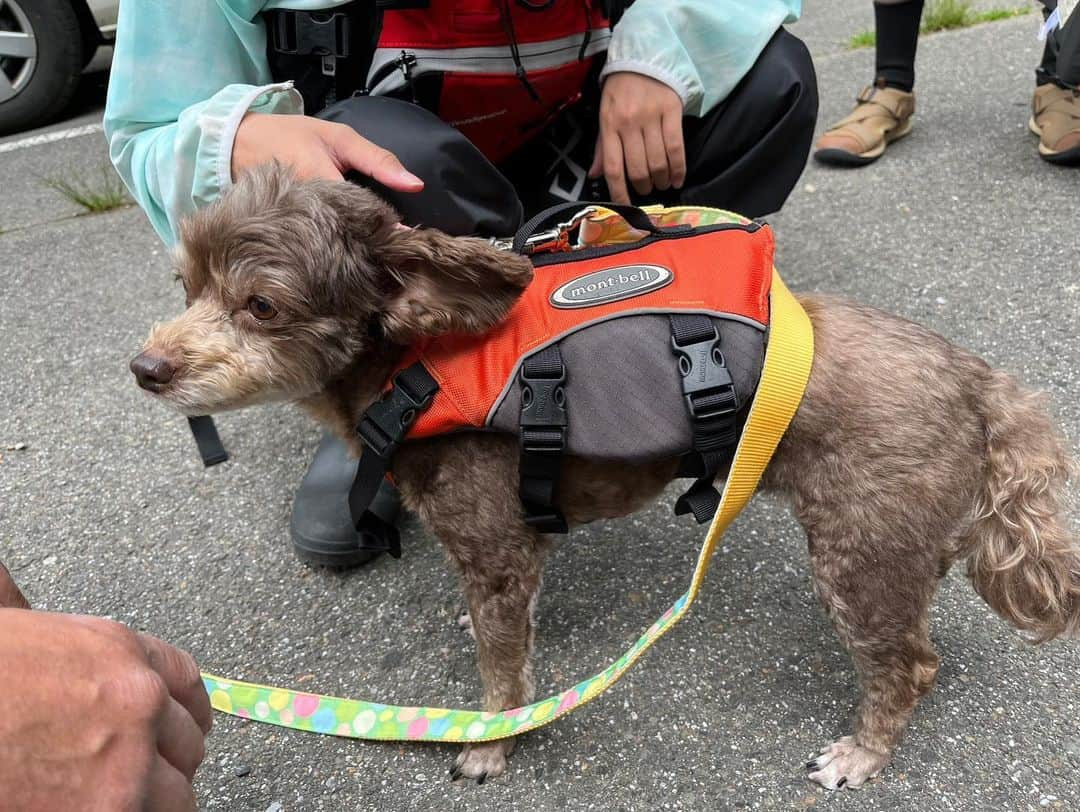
<point>788,359</point>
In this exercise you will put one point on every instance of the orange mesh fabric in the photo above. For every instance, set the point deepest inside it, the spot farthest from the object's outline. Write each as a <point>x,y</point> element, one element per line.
<point>726,272</point>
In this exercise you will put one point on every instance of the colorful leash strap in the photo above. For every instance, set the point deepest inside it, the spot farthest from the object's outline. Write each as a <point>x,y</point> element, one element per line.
<point>783,379</point>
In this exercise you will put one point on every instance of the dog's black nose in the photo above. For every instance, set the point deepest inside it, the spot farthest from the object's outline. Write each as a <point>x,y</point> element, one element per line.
<point>152,371</point>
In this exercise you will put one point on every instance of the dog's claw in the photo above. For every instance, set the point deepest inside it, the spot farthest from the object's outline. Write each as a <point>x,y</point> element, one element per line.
<point>455,773</point>
<point>481,778</point>
<point>810,765</point>
<point>841,783</point>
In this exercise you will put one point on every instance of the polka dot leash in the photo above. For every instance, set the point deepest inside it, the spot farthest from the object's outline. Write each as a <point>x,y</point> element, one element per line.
<point>788,359</point>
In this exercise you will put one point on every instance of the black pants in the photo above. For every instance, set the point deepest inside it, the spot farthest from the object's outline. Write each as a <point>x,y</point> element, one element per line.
<point>1061,56</point>
<point>746,154</point>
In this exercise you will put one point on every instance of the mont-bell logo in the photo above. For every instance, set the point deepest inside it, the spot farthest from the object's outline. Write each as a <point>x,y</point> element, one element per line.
<point>611,285</point>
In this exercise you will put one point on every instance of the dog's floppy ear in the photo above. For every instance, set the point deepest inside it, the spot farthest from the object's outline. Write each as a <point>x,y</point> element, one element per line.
<point>447,284</point>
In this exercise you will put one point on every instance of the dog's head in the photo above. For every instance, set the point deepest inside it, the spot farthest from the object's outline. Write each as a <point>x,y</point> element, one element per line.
<point>289,284</point>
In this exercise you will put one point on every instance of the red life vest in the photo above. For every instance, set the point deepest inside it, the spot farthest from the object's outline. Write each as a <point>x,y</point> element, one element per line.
<point>619,351</point>
<point>498,70</point>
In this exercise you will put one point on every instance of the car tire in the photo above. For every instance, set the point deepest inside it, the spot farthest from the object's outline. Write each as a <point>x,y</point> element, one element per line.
<point>44,83</point>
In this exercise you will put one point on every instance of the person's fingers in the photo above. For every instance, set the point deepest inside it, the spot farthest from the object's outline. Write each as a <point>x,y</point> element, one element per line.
<point>355,152</point>
<point>168,790</point>
<point>181,676</point>
<point>614,167</point>
<point>180,740</point>
<point>672,127</point>
<point>11,597</point>
<point>656,156</point>
<point>597,168</point>
<point>637,164</point>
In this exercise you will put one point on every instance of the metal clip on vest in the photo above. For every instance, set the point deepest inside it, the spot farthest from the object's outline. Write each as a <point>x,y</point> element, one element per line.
<point>555,239</point>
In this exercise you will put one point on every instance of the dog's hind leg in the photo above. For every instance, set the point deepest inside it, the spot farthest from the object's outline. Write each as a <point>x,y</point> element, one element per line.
<point>880,609</point>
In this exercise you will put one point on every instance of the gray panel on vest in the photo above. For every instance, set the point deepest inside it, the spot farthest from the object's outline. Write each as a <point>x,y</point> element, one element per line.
<point>623,389</point>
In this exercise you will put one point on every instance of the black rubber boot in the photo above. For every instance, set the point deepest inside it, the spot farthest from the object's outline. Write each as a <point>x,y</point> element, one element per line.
<point>322,530</point>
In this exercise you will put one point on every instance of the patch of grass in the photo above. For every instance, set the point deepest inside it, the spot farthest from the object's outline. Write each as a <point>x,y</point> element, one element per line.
<point>94,193</point>
<point>942,15</point>
<point>995,14</point>
<point>864,39</point>
<point>945,15</point>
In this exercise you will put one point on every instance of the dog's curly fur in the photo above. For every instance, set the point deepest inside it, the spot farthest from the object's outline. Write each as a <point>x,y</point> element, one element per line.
<point>907,453</point>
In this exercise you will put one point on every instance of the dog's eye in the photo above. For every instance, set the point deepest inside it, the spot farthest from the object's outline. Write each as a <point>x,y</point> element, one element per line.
<point>260,308</point>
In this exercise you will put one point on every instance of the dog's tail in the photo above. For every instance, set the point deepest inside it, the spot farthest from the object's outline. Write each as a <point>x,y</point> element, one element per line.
<point>1021,557</point>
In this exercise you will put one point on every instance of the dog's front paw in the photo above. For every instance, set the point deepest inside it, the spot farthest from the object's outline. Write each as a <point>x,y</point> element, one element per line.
<point>846,764</point>
<point>482,761</point>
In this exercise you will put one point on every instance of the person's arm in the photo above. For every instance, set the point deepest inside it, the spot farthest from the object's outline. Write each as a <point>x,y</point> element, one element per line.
<point>700,49</point>
<point>669,59</point>
<point>94,715</point>
<point>190,82</point>
<point>183,76</point>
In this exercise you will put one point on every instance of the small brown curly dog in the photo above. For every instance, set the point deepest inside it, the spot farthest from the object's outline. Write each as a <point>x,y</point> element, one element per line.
<point>906,454</point>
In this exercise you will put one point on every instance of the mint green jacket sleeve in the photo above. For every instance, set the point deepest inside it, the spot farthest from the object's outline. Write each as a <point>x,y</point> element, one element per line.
<point>183,76</point>
<point>700,49</point>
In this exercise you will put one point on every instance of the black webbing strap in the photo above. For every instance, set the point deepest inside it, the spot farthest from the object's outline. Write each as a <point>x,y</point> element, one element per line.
<point>543,437</point>
<point>206,438</point>
<point>382,429</point>
<point>327,53</point>
<point>713,405</point>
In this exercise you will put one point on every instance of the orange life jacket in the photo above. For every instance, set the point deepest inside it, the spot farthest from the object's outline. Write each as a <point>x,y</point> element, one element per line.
<point>639,345</point>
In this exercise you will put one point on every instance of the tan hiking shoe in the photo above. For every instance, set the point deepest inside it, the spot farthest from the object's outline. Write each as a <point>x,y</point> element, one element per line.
<point>1055,118</point>
<point>882,115</point>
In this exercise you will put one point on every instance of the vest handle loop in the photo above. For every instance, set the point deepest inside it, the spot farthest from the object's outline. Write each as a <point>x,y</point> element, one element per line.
<point>525,240</point>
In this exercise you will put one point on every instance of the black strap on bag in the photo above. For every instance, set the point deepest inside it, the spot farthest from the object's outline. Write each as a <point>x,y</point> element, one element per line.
<point>713,404</point>
<point>382,429</point>
<point>543,437</point>
<point>206,438</point>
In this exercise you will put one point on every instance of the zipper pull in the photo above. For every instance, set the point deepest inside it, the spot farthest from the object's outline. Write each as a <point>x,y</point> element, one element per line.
<point>406,62</point>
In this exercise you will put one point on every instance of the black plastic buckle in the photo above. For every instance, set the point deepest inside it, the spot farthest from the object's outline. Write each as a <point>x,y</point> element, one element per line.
<point>704,373</point>
<point>387,420</point>
<point>301,33</point>
<point>543,404</point>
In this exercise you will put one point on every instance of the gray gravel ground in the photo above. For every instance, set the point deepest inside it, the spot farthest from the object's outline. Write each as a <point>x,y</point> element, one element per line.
<point>106,510</point>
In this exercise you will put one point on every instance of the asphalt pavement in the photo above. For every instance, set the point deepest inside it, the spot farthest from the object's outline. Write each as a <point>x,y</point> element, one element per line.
<point>105,508</point>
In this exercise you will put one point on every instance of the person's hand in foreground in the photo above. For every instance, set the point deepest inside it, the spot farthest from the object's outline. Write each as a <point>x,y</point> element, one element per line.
<point>93,715</point>
<point>641,136</point>
<point>314,148</point>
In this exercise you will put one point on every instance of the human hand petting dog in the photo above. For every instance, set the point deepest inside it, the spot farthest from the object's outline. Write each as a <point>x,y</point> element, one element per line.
<point>314,148</point>
<point>94,715</point>
<point>641,136</point>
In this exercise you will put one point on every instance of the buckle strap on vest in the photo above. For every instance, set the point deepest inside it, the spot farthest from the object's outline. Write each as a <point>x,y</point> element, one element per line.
<point>710,396</point>
<point>543,438</point>
<point>382,429</point>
